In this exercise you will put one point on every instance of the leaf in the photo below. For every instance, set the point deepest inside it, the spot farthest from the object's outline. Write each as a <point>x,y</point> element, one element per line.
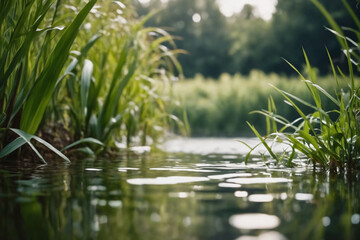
<point>84,140</point>
<point>49,146</point>
<point>85,84</point>
<point>86,150</point>
<point>2,118</point>
<point>89,44</point>
<point>247,157</point>
<point>23,50</point>
<point>263,142</point>
<point>324,92</point>
<point>17,143</point>
<point>291,157</point>
<point>42,91</point>
<point>116,91</point>
<point>27,138</point>
<point>352,13</point>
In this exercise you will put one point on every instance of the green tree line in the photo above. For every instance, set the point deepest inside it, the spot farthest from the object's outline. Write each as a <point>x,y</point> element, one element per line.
<point>244,41</point>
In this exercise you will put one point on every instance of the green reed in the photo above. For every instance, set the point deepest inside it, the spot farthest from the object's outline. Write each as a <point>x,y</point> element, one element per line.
<point>32,57</point>
<point>119,82</point>
<point>328,137</point>
<point>94,69</point>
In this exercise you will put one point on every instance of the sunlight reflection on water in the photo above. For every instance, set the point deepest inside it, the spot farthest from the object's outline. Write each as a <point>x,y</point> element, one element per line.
<point>166,180</point>
<point>260,198</point>
<point>304,196</point>
<point>272,235</point>
<point>210,200</point>
<point>229,185</point>
<point>230,175</point>
<point>258,180</point>
<point>181,170</point>
<point>241,194</point>
<point>254,221</point>
<point>227,146</point>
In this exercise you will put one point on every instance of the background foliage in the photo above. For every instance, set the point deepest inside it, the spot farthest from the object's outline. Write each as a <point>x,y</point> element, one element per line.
<point>221,107</point>
<point>244,42</point>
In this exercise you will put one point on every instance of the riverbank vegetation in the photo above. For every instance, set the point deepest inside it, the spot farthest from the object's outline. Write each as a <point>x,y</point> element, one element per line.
<point>221,107</point>
<point>328,137</point>
<point>81,75</point>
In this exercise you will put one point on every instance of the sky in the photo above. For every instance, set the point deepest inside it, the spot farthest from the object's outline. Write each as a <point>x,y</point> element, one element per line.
<point>264,8</point>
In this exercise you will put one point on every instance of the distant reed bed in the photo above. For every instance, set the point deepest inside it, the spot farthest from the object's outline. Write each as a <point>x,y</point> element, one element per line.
<point>221,107</point>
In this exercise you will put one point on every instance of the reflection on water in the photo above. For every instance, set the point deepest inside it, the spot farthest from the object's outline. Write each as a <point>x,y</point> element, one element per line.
<point>176,197</point>
<point>166,180</point>
<point>260,198</point>
<point>259,180</point>
<point>264,236</point>
<point>254,221</point>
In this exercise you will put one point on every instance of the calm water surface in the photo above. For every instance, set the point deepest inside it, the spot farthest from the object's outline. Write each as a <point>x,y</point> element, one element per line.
<point>176,196</point>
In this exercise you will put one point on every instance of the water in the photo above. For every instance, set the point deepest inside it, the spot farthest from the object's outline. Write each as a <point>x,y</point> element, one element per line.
<point>176,196</point>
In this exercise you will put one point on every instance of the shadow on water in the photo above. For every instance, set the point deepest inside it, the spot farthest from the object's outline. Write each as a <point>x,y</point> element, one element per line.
<point>177,196</point>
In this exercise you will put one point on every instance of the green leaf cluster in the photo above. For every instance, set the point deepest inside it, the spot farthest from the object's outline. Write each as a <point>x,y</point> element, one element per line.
<point>91,67</point>
<point>330,138</point>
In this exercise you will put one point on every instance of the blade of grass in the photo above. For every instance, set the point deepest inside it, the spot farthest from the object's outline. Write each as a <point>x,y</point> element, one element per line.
<point>81,141</point>
<point>11,147</point>
<point>41,93</point>
<point>352,13</point>
<point>330,20</point>
<point>263,142</point>
<point>27,138</point>
<point>85,84</point>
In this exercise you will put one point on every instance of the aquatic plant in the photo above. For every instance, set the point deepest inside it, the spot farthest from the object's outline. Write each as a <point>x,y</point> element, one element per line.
<point>91,68</point>
<point>328,137</point>
<point>118,83</point>
<point>32,57</point>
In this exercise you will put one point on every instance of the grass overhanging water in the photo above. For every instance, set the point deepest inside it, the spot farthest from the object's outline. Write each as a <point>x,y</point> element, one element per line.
<point>95,77</point>
<point>330,138</point>
<point>98,80</point>
<point>103,83</point>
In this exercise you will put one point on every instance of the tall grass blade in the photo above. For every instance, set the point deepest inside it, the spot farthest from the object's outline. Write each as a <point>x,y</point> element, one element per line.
<point>324,92</point>
<point>330,20</point>
<point>112,100</point>
<point>352,13</point>
<point>268,148</point>
<point>85,84</point>
<point>42,91</point>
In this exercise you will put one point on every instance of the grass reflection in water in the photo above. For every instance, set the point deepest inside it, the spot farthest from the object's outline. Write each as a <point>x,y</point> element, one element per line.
<point>176,197</point>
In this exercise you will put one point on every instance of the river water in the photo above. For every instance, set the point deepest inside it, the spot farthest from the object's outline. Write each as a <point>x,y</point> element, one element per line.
<point>199,194</point>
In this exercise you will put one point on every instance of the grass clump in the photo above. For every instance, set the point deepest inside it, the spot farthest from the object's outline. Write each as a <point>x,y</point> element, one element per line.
<point>87,74</point>
<point>327,137</point>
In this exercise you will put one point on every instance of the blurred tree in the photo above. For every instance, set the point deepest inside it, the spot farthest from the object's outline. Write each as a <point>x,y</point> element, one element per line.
<point>295,24</point>
<point>298,24</point>
<point>244,41</point>
<point>202,30</point>
<point>250,41</point>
